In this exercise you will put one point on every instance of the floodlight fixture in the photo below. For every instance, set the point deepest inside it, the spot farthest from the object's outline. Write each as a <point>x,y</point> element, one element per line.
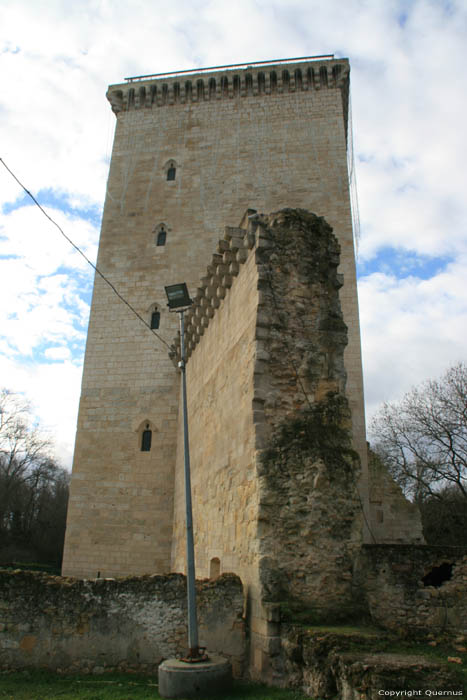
<point>178,296</point>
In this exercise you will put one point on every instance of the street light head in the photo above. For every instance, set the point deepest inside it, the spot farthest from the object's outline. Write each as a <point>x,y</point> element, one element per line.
<point>178,296</point>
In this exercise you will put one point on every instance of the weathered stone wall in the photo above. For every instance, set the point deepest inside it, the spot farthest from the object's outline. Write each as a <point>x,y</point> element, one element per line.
<point>352,663</point>
<point>270,425</point>
<point>310,519</point>
<point>104,624</point>
<point>398,599</point>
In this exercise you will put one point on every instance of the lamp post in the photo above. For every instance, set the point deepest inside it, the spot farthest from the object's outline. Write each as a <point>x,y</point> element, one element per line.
<point>184,677</point>
<point>179,301</point>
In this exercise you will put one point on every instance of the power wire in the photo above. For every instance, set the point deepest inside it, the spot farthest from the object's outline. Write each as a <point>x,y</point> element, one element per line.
<point>354,207</point>
<point>85,257</point>
<point>365,518</point>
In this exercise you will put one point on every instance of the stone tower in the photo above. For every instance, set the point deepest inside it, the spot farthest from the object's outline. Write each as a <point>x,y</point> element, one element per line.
<point>192,152</point>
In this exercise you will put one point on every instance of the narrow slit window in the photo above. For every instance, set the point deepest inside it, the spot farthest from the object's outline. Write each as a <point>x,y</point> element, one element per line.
<point>171,172</point>
<point>146,439</point>
<point>155,320</point>
<point>214,568</point>
<point>162,237</point>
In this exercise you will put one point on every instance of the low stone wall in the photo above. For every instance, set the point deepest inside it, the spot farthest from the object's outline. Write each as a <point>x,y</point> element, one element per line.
<point>67,624</point>
<point>414,589</point>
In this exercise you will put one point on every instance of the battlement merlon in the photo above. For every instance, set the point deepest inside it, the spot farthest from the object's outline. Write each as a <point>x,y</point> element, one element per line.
<point>229,82</point>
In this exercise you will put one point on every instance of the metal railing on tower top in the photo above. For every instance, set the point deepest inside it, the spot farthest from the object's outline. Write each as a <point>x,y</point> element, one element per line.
<point>233,65</point>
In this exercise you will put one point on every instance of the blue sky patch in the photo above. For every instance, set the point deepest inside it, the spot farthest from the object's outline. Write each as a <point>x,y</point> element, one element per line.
<point>8,49</point>
<point>84,279</point>
<point>38,354</point>
<point>402,263</point>
<point>49,198</point>
<point>402,19</point>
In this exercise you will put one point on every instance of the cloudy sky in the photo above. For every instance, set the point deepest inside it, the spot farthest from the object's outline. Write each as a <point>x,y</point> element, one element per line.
<point>409,101</point>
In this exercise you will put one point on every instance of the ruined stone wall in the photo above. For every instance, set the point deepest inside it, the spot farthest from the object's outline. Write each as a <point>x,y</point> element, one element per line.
<point>100,625</point>
<point>274,476</point>
<point>310,519</point>
<point>394,519</point>
<point>354,663</point>
<point>398,597</point>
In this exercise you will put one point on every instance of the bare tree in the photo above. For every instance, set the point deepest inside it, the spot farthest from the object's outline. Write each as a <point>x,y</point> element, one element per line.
<point>423,438</point>
<point>444,518</point>
<point>33,487</point>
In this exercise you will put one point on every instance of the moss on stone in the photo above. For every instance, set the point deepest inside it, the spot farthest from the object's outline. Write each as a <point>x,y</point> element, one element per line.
<point>320,431</point>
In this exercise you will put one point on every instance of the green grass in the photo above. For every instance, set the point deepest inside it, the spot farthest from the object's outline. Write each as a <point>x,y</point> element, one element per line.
<point>44,685</point>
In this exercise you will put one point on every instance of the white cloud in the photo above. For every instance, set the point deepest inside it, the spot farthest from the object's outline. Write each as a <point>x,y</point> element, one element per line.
<point>53,390</point>
<point>58,352</point>
<point>39,301</point>
<point>57,59</point>
<point>412,329</point>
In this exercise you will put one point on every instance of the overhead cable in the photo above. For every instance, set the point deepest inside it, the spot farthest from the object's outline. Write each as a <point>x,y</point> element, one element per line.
<point>101,274</point>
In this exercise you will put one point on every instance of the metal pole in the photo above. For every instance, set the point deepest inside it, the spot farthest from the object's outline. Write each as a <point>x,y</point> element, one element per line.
<point>190,549</point>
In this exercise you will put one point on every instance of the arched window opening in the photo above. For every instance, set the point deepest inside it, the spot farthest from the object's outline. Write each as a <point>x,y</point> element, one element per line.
<point>236,85</point>
<point>273,78</point>
<point>154,94</point>
<point>155,319</point>
<point>285,79</point>
<point>146,439</point>
<point>160,232</point>
<point>214,568</point>
<point>309,76</point>
<point>225,86</point>
<point>249,84</point>
<point>161,236</point>
<point>188,90</point>
<point>171,170</point>
<point>131,97</point>
<point>165,93</point>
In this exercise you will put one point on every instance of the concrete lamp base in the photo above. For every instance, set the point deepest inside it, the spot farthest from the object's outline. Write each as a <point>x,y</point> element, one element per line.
<point>178,679</point>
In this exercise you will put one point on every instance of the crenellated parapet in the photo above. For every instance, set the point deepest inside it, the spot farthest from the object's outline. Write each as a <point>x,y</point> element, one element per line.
<point>274,79</point>
<point>232,251</point>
